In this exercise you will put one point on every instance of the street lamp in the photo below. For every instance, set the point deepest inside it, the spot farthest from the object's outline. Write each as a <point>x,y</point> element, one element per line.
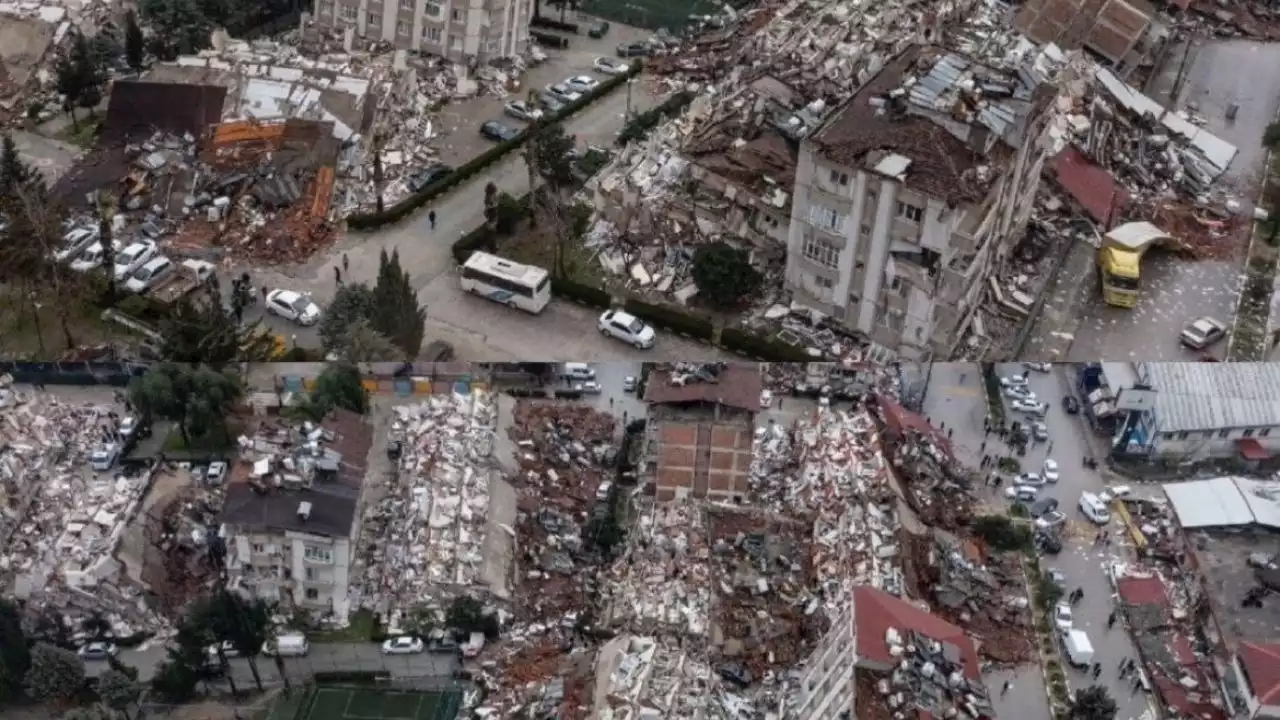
<point>627,118</point>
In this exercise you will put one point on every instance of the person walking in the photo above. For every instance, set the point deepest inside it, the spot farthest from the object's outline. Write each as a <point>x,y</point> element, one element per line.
<point>1049,448</point>
<point>1111,620</point>
<point>950,433</point>
<point>346,264</point>
<point>1097,670</point>
<point>431,218</point>
<point>983,447</point>
<point>1008,685</point>
<point>337,275</point>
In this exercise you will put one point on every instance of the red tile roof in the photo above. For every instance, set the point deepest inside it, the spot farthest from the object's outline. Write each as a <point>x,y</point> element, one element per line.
<point>739,386</point>
<point>1142,591</point>
<point>1091,186</point>
<point>1262,663</point>
<point>875,611</point>
<point>898,419</point>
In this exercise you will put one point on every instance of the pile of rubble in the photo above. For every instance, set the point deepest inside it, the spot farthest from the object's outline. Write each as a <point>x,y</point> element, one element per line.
<point>431,535</point>
<point>653,677</point>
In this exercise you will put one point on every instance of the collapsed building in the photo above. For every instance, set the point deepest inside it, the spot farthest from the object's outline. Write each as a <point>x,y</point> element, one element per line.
<point>290,517</point>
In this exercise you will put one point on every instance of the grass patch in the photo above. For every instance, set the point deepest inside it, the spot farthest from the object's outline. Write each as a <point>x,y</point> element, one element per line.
<point>360,629</point>
<point>1009,465</point>
<point>537,246</point>
<point>23,331</point>
<point>85,136</point>
<point>216,440</point>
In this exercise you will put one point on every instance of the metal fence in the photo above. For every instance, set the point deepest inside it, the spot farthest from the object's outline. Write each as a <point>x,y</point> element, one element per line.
<point>115,374</point>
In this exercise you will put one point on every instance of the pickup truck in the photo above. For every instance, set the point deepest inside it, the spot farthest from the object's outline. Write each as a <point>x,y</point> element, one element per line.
<point>186,277</point>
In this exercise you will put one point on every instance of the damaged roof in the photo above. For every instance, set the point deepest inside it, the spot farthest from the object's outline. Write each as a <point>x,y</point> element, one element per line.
<point>877,612</point>
<point>939,110</point>
<point>138,109</point>
<point>333,501</point>
<point>738,385</point>
<point>1261,663</point>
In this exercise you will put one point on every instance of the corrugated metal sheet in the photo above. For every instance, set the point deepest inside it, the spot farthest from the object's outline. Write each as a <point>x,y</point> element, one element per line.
<point>1209,503</point>
<point>1210,396</point>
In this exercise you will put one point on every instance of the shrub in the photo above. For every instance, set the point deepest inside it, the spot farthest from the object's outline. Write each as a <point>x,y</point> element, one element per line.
<point>1019,510</point>
<point>360,677</point>
<point>762,348</point>
<point>671,319</point>
<point>550,24</point>
<point>1002,533</point>
<point>643,123</point>
<point>580,293</point>
<point>1009,465</point>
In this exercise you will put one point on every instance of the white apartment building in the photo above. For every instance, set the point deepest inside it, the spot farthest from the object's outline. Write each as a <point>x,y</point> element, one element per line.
<point>909,196</point>
<point>291,516</point>
<point>471,32</point>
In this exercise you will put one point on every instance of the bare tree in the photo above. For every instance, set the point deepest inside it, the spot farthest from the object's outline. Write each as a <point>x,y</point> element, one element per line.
<point>105,204</point>
<point>42,220</point>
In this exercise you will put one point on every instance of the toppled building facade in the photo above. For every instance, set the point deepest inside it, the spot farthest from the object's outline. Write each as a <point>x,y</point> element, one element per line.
<point>909,197</point>
<point>291,517</point>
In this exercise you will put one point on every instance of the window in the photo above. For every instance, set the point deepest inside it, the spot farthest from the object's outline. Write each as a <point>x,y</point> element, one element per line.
<point>349,13</point>
<point>498,282</point>
<point>326,9</point>
<point>432,34</point>
<point>313,594</point>
<point>433,10</point>
<point>1183,435</point>
<point>826,218</point>
<point>1224,433</point>
<point>893,320</point>
<point>825,283</point>
<point>910,212</point>
<point>374,19</point>
<point>402,28</point>
<point>1264,432</point>
<point>839,178</point>
<point>865,230</point>
<point>455,42</point>
<point>311,573</point>
<point>1166,436</point>
<point>1248,432</point>
<point>822,252</point>
<point>318,554</point>
<point>406,4</point>
<point>257,547</point>
<point>896,285</point>
<point>456,15</point>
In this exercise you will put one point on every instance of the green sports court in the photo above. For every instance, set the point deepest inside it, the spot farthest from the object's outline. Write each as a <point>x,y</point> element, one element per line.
<point>358,703</point>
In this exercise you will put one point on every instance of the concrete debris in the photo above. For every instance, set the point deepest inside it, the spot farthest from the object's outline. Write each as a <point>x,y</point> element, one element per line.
<point>443,525</point>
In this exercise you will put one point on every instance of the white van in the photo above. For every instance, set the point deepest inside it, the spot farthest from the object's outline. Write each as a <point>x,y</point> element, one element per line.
<point>287,645</point>
<point>1094,508</point>
<point>1077,648</point>
<point>579,371</point>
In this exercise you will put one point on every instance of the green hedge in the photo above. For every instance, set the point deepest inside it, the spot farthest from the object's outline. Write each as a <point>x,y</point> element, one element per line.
<point>550,39</point>
<point>550,24</point>
<point>358,677</point>
<point>762,348</point>
<point>577,292</point>
<point>671,319</point>
<point>643,123</point>
<point>402,209</point>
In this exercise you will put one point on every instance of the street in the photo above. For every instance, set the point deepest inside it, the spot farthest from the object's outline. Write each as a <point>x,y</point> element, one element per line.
<point>956,398</point>
<point>324,657</point>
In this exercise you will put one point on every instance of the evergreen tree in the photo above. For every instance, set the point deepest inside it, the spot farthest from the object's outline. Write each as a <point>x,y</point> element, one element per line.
<point>86,64</point>
<point>134,47</point>
<point>13,171</point>
<point>398,315</point>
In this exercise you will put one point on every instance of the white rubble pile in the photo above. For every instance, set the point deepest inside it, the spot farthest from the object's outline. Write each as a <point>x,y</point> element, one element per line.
<point>659,678</point>
<point>662,584</point>
<point>436,510</point>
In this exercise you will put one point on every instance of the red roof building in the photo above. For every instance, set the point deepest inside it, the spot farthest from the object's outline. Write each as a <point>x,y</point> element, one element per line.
<point>876,612</point>
<point>1258,667</point>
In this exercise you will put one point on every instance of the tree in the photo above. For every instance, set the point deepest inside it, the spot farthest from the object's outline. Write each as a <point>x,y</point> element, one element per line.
<point>93,712</point>
<point>398,314</point>
<point>198,329</point>
<point>507,212</point>
<point>351,302</point>
<point>179,26</point>
<point>56,675</point>
<point>195,398</point>
<point>338,386</point>
<point>86,69</point>
<point>1271,136</point>
<point>134,46</point>
<point>1002,533</point>
<point>104,204</point>
<point>117,690</point>
<point>466,614</point>
<point>362,343</point>
<point>1093,703</point>
<point>550,154</point>
<point>15,657</point>
<point>724,274</point>
<point>175,681</point>
<point>379,183</point>
<point>246,624</point>
<point>70,84</point>
<point>13,171</point>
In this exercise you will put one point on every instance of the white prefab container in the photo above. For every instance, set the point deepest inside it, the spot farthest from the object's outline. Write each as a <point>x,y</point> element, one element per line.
<point>1076,645</point>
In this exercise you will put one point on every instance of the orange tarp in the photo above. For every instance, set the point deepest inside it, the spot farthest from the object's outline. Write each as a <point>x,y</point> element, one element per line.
<point>245,131</point>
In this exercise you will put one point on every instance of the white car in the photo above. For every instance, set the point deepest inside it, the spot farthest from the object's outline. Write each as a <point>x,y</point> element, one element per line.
<point>1202,333</point>
<point>228,650</point>
<point>563,93</point>
<point>590,387</point>
<point>629,384</point>
<point>1050,470</point>
<point>1038,367</point>
<point>766,399</point>
<point>1039,431</point>
<point>293,306</point>
<point>128,426</point>
<point>609,66</point>
<point>98,651</point>
<point>1013,381</point>
<point>1030,407</point>
<point>216,474</point>
<point>1019,392</point>
<point>403,645</point>
<point>581,83</point>
<point>1115,492</point>
<point>133,257</point>
<point>1021,493</point>
<point>602,490</point>
<point>92,257</point>
<point>521,110</point>
<point>628,328</point>
<point>103,457</point>
<point>1050,520</point>
<point>1062,616</point>
<point>1029,479</point>
<point>149,275</point>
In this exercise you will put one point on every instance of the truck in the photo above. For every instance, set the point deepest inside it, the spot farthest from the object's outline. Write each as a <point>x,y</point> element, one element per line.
<point>1077,648</point>
<point>185,278</point>
<point>1120,260</point>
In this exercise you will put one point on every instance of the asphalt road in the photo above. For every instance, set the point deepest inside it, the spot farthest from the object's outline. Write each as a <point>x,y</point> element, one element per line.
<point>1176,291</point>
<point>324,657</point>
<point>961,405</point>
<point>478,329</point>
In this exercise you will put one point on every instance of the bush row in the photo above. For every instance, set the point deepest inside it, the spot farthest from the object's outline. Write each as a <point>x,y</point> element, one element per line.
<point>671,319</point>
<point>402,209</point>
<point>359,677</point>
<point>641,125</point>
<point>762,348</point>
<point>550,24</point>
<point>551,40</point>
<point>577,292</point>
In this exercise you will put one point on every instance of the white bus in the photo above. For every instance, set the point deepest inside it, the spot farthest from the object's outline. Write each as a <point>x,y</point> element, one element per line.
<point>518,286</point>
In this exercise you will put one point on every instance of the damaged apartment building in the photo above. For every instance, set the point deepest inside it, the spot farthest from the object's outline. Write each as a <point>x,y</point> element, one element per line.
<point>467,32</point>
<point>291,517</point>
<point>909,197</point>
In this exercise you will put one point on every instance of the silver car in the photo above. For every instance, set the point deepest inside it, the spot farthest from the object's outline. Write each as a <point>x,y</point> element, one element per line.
<point>521,110</point>
<point>1202,333</point>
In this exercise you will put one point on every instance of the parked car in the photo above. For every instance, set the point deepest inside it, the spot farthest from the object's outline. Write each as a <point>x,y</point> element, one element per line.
<point>603,490</point>
<point>1038,366</point>
<point>1050,470</point>
<point>626,327</point>
<point>293,306</point>
<point>403,645</point>
<point>609,66</point>
<point>1043,506</point>
<point>428,175</point>
<point>521,110</point>
<point>1050,520</point>
<point>551,103</point>
<point>228,650</point>
<point>92,257</point>
<point>1011,381</point>
<point>766,399</point>
<point>1048,543</point>
<point>598,29</point>
<point>564,93</point>
<point>1062,616</point>
<point>1202,333</point>
<point>1029,479</point>
<point>1039,431</point>
<point>100,650</point>
<point>216,474</point>
<point>629,384</point>
<point>1070,404</point>
<point>149,275</point>
<point>581,83</point>
<point>1058,578</point>
<point>590,387</point>
<point>1030,407</point>
<point>133,257</point>
<point>1115,492</point>
<point>104,456</point>
<point>495,130</point>
<point>1022,493</point>
<point>1019,392</point>
<point>634,49</point>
